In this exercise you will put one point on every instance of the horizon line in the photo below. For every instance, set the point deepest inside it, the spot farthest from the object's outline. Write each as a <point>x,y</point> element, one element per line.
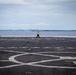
<point>41,29</point>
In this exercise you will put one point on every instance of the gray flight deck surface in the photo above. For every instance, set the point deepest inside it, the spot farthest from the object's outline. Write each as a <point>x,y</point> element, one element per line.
<point>37,56</point>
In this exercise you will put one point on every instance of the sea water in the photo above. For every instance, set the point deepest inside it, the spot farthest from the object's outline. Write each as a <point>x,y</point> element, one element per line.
<point>33,33</point>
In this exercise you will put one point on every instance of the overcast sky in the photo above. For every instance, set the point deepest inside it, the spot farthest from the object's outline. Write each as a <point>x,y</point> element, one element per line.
<point>38,14</point>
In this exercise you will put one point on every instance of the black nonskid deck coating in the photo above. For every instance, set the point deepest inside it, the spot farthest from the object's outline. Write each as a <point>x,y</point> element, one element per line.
<point>37,56</point>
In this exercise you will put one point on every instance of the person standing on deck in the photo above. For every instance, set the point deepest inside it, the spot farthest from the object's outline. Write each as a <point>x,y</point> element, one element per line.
<point>38,35</point>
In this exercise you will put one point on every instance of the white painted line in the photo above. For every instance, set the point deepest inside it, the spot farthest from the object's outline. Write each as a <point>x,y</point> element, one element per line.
<point>11,47</point>
<point>42,61</point>
<point>65,57</point>
<point>10,66</point>
<point>55,52</point>
<point>45,55</point>
<point>13,51</point>
<point>37,65</point>
<point>35,47</point>
<point>2,47</point>
<point>12,58</point>
<point>24,47</point>
<point>74,62</point>
<point>4,61</point>
<point>46,47</point>
<point>34,64</point>
<point>58,48</point>
<point>63,67</point>
<point>70,48</point>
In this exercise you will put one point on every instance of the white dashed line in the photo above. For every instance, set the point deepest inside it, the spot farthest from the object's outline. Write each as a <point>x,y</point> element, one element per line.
<point>13,51</point>
<point>2,47</point>
<point>4,61</point>
<point>46,47</point>
<point>68,57</point>
<point>58,48</point>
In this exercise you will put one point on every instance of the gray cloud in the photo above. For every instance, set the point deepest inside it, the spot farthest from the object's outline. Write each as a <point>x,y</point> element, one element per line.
<point>33,13</point>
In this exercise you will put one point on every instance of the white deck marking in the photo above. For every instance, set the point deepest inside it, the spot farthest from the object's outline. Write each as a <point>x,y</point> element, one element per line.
<point>4,60</point>
<point>37,65</point>
<point>2,47</point>
<point>42,61</point>
<point>13,51</point>
<point>74,62</point>
<point>70,47</point>
<point>57,48</point>
<point>63,67</point>
<point>12,58</point>
<point>24,47</point>
<point>12,47</point>
<point>35,47</point>
<point>46,47</point>
<point>55,52</point>
<point>45,55</point>
<point>68,57</point>
<point>10,66</point>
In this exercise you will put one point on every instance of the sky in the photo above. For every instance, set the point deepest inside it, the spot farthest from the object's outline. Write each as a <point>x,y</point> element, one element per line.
<point>38,14</point>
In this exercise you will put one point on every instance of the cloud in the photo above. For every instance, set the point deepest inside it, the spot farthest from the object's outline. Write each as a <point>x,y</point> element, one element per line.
<point>14,26</point>
<point>37,13</point>
<point>41,24</point>
<point>30,1</point>
<point>13,2</point>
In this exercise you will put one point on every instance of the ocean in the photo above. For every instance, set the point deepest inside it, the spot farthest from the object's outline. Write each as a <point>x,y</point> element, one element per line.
<point>12,33</point>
